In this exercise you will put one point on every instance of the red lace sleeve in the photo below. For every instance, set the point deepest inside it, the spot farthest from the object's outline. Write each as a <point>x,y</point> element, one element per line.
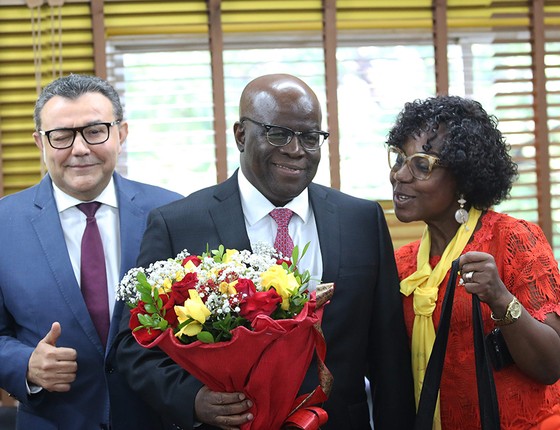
<point>528,267</point>
<point>405,257</point>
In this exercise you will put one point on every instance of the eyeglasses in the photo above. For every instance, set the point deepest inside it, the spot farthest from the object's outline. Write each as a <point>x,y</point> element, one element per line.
<point>420,165</point>
<point>281,136</point>
<point>94,134</point>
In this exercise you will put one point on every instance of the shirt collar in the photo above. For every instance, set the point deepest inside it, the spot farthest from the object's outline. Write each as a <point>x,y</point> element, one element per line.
<point>256,206</point>
<point>107,197</point>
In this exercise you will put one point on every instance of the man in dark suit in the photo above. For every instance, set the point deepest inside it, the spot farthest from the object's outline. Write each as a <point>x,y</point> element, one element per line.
<point>278,136</point>
<point>51,351</point>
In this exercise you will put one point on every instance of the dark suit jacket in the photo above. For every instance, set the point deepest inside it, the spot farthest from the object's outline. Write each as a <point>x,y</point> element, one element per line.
<point>38,286</point>
<point>363,324</point>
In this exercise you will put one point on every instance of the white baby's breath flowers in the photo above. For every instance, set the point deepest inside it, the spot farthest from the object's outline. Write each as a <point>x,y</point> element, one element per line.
<point>156,275</point>
<point>183,254</point>
<point>126,290</point>
<point>241,264</point>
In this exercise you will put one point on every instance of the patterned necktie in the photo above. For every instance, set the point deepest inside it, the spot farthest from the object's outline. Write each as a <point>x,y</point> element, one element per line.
<point>283,242</point>
<point>93,273</point>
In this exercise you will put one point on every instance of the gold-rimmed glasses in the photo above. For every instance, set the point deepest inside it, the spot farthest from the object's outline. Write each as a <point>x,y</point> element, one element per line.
<point>420,164</point>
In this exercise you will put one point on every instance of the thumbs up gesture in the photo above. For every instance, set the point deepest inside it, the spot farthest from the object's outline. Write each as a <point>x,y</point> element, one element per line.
<point>51,367</point>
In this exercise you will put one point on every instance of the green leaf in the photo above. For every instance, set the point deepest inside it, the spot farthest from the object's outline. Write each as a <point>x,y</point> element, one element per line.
<point>146,298</point>
<point>159,302</point>
<point>150,308</point>
<point>295,254</point>
<point>145,320</point>
<point>205,337</point>
<point>219,254</point>
<point>305,249</point>
<point>144,288</point>
<point>142,281</point>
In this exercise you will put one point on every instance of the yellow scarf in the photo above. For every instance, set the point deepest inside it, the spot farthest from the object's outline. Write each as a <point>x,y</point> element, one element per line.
<point>424,283</point>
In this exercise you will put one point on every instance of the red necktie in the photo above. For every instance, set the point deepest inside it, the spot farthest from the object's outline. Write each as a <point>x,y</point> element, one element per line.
<point>93,273</point>
<point>283,243</point>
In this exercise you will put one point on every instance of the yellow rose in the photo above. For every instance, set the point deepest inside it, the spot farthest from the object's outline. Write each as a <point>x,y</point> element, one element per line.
<point>284,283</point>
<point>228,288</point>
<point>193,309</point>
<point>165,287</point>
<point>229,253</point>
<point>189,267</point>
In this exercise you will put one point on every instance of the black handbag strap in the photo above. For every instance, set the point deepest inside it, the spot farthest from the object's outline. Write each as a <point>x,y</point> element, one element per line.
<point>487,399</point>
<point>488,403</point>
<point>432,378</point>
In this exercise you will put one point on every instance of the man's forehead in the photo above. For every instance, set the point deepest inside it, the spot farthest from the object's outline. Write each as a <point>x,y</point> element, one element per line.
<point>61,111</point>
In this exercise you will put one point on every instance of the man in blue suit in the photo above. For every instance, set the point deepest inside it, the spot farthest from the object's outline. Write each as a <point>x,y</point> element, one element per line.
<point>278,136</point>
<point>52,358</point>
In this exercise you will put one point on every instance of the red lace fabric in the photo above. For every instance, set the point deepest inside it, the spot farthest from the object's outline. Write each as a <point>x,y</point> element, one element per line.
<point>528,269</point>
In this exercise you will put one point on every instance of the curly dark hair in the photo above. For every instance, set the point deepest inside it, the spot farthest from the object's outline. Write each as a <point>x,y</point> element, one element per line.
<point>473,148</point>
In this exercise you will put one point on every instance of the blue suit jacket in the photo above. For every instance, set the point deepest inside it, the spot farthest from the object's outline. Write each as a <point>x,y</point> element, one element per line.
<point>363,324</point>
<point>38,287</point>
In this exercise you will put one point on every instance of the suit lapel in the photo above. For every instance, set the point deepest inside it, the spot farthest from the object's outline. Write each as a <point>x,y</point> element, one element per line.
<point>131,224</point>
<point>328,229</point>
<point>227,215</point>
<point>48,229</point>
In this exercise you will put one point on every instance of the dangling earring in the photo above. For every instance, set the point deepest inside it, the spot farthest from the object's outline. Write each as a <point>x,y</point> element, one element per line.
<point>462,216</point>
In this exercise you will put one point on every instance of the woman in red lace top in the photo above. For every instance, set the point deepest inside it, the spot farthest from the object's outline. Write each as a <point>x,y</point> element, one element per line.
<point>449,165</point>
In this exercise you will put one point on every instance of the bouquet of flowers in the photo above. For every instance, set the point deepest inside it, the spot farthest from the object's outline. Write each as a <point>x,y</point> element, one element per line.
<point>237,321</point>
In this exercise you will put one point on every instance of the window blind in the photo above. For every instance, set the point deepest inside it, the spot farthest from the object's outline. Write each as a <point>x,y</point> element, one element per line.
<point>489,58</point>
<point>21,162</point>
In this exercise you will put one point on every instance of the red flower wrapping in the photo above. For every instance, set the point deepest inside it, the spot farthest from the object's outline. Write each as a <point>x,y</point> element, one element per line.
<point>268,364</point>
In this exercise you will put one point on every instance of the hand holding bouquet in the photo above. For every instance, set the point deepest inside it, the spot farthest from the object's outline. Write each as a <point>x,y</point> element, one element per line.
<point>237,321</point>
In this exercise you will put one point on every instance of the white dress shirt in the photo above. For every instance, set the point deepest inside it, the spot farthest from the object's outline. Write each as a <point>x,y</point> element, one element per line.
<point>73,223</point>
<point>261,227</point>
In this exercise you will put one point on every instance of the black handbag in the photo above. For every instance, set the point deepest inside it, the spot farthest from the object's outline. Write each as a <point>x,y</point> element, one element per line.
<point>488,402</point>
<point>498,349</point>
